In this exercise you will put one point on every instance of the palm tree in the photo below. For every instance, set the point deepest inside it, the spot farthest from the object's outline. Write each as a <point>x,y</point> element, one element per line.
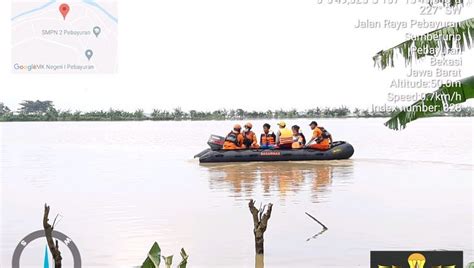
<point>458,36</point>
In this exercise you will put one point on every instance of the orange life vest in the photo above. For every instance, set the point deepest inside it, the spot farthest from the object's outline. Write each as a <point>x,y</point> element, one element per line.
<point>300,139</point>
<point>249,137</point>
<point>233,137</point>
<point>324,136</point>
<point>267,139</point>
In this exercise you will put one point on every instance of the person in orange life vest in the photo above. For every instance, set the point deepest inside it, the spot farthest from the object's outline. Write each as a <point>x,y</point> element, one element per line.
<point>268,138</point>
<point>321,138</point>
<point>234,140</point>
<point>299,139</point>
<point>250,139</point>
<point>284,137</point>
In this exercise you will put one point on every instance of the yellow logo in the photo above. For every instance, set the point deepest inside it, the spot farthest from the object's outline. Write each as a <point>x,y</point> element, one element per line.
<point>416,260</point>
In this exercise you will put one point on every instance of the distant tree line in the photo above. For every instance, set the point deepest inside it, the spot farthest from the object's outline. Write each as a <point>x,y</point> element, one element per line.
<point>45,111</point>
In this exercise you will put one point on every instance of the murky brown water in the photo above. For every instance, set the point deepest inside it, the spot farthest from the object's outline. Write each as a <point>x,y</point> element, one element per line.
<point>119,186</point>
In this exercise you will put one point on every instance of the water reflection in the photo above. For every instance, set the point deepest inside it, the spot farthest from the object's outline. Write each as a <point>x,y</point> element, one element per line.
<point>281,178</point>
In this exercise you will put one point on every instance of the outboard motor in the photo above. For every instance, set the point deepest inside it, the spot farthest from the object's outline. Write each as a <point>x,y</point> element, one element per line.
<point>216,142</point>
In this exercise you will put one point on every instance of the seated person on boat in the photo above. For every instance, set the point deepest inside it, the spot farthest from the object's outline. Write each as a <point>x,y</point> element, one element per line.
<point>284,137</point>
<point>267,138</point>
<point>250,139</point>
<point>299,139</point>
<point>234,140</point>
<point>321,139</point>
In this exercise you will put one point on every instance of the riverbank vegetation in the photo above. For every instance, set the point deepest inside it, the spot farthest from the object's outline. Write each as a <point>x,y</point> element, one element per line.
<point>46,111</point>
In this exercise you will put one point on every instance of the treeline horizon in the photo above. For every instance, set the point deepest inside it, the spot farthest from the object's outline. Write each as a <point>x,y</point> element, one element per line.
<point>45,111</point>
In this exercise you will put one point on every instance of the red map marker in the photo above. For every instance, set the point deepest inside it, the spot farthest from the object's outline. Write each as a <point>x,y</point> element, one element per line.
<point>64,9</point>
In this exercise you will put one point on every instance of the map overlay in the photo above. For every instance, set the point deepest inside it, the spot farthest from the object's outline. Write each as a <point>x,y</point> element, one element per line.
<point>67,36</point>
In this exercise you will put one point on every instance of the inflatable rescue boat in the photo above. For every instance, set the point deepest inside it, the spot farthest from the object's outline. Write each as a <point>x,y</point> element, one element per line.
<point>339,150</point>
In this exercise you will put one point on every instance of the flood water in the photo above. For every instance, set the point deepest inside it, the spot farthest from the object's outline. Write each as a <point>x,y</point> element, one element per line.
<point>120,186</point>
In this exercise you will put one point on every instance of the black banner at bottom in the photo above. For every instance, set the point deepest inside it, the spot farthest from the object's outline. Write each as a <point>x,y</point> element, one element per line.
<point>416,259</point>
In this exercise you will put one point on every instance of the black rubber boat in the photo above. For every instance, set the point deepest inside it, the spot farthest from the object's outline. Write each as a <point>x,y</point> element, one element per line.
<point>339,150</point>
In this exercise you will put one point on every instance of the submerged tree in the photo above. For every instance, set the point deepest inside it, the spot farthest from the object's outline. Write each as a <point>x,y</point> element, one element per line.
<point>48,230</point>
<point>260,221</point>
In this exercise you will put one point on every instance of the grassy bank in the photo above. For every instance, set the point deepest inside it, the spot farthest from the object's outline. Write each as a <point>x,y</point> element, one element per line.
<point>45,111</point>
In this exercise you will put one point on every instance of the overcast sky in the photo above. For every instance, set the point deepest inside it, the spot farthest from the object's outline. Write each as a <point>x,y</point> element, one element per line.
<point>211,54</point>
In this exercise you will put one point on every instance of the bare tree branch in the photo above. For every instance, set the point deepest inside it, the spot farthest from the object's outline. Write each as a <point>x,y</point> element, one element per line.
<point>254,212</point>
<point>316,235</point>
<point>260,221</point>
<point>53,247</point>
<point>320,223</point>
<point>316,220</point>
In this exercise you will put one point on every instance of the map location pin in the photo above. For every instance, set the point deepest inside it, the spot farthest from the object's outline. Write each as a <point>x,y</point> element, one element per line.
<point>96,31</point>
<point>89,54</point>
<point>64,9</point>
